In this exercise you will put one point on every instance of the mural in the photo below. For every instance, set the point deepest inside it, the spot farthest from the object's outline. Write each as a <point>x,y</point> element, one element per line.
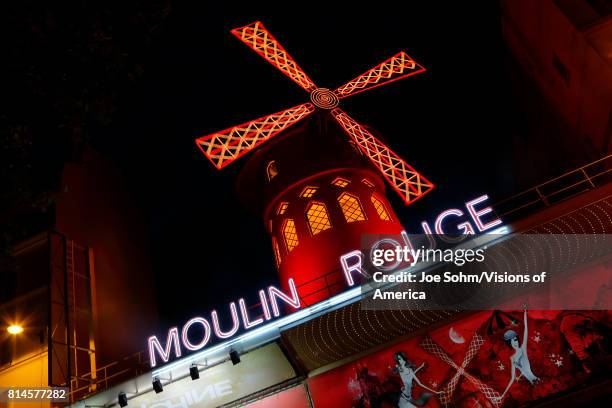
<point>490,359</point>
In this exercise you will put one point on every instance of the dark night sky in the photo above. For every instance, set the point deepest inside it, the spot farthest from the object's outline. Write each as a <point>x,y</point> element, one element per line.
<point>457,123</point>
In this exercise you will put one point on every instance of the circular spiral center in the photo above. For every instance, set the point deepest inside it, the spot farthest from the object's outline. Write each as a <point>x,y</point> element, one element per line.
<point>324,98</point>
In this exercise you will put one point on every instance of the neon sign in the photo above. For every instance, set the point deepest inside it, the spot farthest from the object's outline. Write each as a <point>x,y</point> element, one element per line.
<point>175,343</point>
<point>351,263</point>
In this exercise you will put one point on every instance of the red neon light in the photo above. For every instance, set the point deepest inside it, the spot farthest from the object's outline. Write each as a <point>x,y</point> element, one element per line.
<point>397,67</point>
<point>256,36</point>
<point>406,181</point>
<point>224,147</point>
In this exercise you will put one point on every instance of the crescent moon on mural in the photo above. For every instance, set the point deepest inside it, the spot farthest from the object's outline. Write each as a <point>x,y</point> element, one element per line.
<point>455,337</point>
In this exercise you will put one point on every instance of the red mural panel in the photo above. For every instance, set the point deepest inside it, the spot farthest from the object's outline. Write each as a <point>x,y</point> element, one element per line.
<point>490,359</point>
<point>293,397</point>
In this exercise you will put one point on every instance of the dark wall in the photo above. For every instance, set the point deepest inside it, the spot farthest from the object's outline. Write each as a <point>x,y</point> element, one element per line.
<point>95,209</point>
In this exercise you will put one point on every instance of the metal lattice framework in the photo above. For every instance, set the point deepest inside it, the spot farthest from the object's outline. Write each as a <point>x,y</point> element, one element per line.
<point>408,183</point>
<point>225,146</point>
<point>397,67</point>
<point>446,396</point>
<point>263,43</point>
<point>222,148</point>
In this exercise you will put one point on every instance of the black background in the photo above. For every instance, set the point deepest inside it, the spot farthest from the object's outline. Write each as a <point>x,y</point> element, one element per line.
<point>460,123</point>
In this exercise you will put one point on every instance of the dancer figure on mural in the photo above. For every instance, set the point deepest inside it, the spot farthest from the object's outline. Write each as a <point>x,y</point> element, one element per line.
<point>407,372</point>
<point>520,359</point>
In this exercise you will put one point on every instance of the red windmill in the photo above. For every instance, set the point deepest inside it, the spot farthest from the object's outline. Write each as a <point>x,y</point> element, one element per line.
<point>291,205</point>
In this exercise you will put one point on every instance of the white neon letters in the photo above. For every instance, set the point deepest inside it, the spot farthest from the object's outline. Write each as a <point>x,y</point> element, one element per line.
<point>270,308</point>
<point>438,225</point>
<point>235,322</point>
<point>354,267</point>
<point>185,334</point>
<point>264,304</point>
<point>293,301</point>
<point>351,263</point>
<point>164,353</point>
<point>477,214</point>
<point>247,323</point>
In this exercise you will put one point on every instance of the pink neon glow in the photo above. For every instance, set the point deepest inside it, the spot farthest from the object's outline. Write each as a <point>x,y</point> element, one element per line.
<point>466,228</point>
<point>164,353</point>
<point>264,304</point>
<point>477,214</point>
<point>217,328</point>
<point>293,301</point>
<point>426,228</point>
<point>247,323</point>
<point>442,216</point>
<point>356,267</point>
<point>185,333</point>
<point>406,239</point>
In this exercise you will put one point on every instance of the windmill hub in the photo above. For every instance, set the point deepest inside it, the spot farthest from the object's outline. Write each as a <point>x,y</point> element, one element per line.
<point>224,147</point>
<point>324,98</point>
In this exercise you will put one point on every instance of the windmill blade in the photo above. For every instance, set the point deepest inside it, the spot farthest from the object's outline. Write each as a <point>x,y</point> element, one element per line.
<point>406,181</point>
<point>397,67</point>
<point>256,36</point>
<point>225,146</point>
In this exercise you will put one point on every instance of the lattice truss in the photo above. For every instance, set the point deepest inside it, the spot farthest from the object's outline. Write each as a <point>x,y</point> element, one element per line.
<point>408,183</point>
<point>222,148</point>
<point>397,67</point>
<point>446,396</point>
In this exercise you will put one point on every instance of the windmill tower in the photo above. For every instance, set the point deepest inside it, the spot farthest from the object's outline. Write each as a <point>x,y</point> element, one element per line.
<point>318,193</point>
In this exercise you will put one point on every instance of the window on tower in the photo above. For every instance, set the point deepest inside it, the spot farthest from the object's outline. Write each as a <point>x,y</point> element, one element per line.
<point>282,208</point>
<point>271,170</point>
<point>380,207</point>
<point>367,182</point>
<point>308,191</point>
<point>318,218</point>
<point>351,207</point>
<point>340,182</point>
<point>290,234</point>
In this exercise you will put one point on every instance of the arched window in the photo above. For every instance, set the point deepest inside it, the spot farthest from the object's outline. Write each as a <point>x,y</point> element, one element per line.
<point>318,218</point>
<point>271,170</point>
<point>379,205</point>
<point>282,207</point>
<point>290,234</point>
<point>277,255</point>
<point>351,207</point>
<point>367,182</point>
<point>308,191</point>
<point>340,182</point>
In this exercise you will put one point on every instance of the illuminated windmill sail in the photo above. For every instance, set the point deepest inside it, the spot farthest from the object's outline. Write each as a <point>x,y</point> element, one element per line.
<point>224,147</point>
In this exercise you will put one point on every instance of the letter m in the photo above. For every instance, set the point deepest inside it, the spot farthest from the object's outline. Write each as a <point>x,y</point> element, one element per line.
<point>164,352</point>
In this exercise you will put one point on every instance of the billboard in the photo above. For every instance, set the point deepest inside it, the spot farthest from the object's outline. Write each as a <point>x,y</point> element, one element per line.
<point>489,359</point>
<point>257,370</point>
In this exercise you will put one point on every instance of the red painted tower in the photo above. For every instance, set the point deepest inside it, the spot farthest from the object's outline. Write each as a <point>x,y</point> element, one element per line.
<point>317,193</point>
<point>316,204</point>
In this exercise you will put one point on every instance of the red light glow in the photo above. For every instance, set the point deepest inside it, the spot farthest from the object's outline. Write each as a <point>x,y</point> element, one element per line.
<point>224,147</point>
